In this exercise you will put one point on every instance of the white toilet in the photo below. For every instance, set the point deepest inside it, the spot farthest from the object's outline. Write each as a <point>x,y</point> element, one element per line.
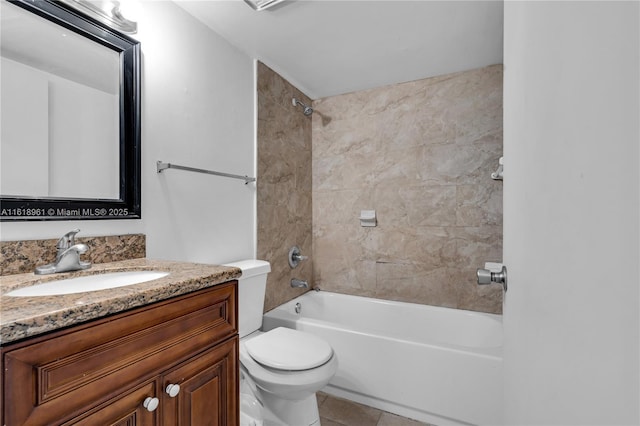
<point>282,368</point>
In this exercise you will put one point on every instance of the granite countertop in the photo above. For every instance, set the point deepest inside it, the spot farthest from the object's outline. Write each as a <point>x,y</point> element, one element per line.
<point>22,317</point>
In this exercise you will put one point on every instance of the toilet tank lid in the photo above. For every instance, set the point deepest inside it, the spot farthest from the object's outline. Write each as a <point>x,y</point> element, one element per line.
<point>251,267</point>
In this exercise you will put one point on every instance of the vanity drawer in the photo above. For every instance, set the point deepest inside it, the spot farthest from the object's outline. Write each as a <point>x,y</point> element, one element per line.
<point>53,378</point>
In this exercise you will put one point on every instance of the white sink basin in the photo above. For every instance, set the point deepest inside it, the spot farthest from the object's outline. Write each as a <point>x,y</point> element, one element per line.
<point>88,283</point>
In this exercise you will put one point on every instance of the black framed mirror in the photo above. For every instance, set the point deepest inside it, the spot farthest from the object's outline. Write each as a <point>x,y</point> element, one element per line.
<point>121,199</point>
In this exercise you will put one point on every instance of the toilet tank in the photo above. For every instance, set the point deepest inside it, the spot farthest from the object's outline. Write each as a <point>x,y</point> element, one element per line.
<point>252,286</point>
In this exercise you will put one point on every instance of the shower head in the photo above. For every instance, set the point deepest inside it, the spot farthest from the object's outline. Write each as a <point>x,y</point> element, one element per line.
<point>306,110</point>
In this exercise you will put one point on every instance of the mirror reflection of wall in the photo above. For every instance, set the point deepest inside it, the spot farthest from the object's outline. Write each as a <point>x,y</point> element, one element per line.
<point>60,111</point>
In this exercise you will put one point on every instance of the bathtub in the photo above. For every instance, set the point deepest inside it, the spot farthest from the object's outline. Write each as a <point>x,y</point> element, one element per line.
<point>437,365</point>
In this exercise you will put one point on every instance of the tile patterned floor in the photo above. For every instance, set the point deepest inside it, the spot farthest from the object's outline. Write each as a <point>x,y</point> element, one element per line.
<point>341,412</point>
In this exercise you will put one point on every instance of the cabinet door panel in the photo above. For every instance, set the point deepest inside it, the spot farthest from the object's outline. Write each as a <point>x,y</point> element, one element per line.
<point>123,410</point>
<point>208,389</point>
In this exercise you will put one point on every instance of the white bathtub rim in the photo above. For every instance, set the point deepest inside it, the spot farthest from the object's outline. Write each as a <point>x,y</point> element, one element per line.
<point>327,293</point>
<point>491,351</point>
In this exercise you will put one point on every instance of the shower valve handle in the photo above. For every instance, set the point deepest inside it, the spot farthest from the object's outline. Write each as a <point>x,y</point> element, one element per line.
<point>485,277</point>
<point>295,257</point>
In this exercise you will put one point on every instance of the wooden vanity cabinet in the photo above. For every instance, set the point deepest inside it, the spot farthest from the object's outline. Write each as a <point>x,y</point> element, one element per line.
<point>122,410</point>
<point>104,372</point>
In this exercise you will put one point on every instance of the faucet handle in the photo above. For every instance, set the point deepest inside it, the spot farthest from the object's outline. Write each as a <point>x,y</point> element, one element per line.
<point>67,240</point>
<point>295,257</point>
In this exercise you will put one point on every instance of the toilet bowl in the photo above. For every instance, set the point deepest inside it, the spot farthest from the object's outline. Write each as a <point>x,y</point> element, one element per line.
<point>281,369</point>
<point>251,410</point>
<point>288,367</point>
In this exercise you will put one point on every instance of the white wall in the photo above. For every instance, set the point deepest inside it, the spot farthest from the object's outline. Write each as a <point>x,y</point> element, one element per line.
<point>199,97</point>
<point>197,110</point>
<point>571,209</point>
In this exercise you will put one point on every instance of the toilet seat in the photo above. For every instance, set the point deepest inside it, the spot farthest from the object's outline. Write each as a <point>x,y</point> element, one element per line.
<point>288,349</point>
<point>290,385</point>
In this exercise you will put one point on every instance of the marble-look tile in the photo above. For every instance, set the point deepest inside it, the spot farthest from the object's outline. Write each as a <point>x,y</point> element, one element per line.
<point>357,278</point>
<point>416,283</point>
<point>458,163</point>
<point>477,245</point>
<point>388,419</point>
<point>328,422</point>
<point>336,411</point>
<point>346,137</point>
<point>279,289</point>
<point>272,87</point>
<point>479,205</point>
<point>321,397</point>
<point>345,262</point>
<point>432,246</point>
<point>473,297</point>
<point>416,206</point>
<point>346,242</point>
<point>340,172</point>
<point>474,247</point>
<point>284,197</point>
<point>397,168</point>
<point>341,207</point>
<point>420,154</point>
<point>346,413</point>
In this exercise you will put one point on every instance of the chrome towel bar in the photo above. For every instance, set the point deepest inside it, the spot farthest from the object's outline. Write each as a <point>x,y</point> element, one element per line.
<point>163,166</point>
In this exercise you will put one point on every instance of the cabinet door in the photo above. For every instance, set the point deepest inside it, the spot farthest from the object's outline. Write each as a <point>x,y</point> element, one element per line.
<point>123,410</point>
<point>208,389</point>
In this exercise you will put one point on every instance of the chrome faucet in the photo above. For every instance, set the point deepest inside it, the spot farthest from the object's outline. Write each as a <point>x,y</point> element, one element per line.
<point>67,257</point>
<point>296,283</point>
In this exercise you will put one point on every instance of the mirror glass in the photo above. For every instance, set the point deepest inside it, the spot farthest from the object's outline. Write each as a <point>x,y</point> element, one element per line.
<point>69,128</point>
<point>60,110</point>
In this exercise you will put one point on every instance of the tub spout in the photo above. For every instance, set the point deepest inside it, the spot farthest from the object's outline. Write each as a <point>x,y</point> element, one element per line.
<point>296,283</point>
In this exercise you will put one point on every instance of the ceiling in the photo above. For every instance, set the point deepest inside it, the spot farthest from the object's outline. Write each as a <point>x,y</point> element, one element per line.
<point>331,47</point>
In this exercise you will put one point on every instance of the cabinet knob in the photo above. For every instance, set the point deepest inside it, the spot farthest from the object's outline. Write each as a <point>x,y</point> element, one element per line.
<point>172,389</point>
<point>151,403</point>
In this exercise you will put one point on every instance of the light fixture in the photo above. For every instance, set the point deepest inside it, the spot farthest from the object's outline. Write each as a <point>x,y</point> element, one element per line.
<point>259,5</point>
<point>108,12</point>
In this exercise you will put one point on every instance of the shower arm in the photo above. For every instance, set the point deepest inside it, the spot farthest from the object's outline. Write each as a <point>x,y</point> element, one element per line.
<point>306,109</point>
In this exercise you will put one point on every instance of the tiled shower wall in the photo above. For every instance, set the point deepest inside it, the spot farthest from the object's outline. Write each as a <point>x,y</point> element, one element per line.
<point>420,154</point>
<point>283,185</point>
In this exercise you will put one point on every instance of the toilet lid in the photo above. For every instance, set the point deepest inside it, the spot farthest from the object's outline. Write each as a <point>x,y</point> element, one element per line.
<point>287,349</point>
